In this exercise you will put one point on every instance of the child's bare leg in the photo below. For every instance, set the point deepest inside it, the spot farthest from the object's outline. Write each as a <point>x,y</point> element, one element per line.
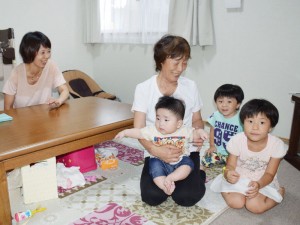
<point>261,203</point>
<point>179,174</point>
<point>234,200</point>
<point>160,182</point>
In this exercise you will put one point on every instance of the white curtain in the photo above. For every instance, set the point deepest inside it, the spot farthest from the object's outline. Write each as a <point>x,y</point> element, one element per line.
<point>125,21</point>
<point>192,20</point>
<point>91,26</point>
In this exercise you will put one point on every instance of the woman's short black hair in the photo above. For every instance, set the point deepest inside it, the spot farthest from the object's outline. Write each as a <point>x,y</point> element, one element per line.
<point>173,104</point>
<point>31,43</point>
<point>230,90</point>
<point>170,46</point>
<point>256,106</point>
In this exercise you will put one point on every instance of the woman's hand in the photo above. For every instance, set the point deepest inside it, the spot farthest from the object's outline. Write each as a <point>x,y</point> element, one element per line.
<point>54,103</point>
<point>167,153</point>
<point>198,142</point>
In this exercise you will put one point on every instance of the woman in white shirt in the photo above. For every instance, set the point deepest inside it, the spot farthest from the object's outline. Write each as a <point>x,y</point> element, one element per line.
<point>171,54</point>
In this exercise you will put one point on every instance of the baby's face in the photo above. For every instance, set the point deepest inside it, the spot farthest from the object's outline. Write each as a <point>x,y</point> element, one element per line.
<point>227,106</point>
<point>166,121</point>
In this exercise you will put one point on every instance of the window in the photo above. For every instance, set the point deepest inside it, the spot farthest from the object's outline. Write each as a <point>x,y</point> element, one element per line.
<point>146,21</point>
<point>129,21</point>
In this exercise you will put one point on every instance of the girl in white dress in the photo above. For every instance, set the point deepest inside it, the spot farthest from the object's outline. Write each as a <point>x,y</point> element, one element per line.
<point>250,176</point>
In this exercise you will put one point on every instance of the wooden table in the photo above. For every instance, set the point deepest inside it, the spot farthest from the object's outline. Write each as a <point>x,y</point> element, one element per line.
<point>37,133</point>
<point>293,154</point>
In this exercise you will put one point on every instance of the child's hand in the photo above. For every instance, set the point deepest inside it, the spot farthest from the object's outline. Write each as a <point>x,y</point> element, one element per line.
<point>120,135</point>
<point>232,176</point>
<point>253,190</point>
<point>210,150</point>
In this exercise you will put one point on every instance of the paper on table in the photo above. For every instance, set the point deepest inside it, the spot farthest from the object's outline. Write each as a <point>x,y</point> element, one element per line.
<point>4,117</point>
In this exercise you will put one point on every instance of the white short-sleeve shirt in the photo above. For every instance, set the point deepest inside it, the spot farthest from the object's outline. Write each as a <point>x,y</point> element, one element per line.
<point>147,94</point>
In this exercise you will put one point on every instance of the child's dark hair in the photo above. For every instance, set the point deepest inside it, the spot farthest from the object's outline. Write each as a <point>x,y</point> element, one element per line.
<point>256,106</point>
<point>173,104</point>
<point>230,90</point>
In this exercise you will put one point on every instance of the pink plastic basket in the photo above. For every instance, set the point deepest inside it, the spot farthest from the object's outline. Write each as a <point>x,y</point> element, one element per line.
<point>84,158</point>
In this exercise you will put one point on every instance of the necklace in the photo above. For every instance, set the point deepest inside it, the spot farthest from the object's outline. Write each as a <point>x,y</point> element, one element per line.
<point>34,77</point>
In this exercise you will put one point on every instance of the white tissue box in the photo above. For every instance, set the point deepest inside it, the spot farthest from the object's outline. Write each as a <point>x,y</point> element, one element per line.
<point>39,181</point>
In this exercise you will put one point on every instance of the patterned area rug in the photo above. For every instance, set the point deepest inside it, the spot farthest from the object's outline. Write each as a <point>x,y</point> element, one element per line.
<point>125,153</point>
<point>212,172</point>
<point>111,213</point>
<point>171,213</point>
<point>122,187</point>
<point>132,156</point>
<point>66,192</point>
<point>115,194</point>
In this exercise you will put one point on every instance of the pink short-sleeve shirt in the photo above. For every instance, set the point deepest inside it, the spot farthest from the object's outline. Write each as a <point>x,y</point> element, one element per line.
<point>38,93</point>
<point>251,164</point>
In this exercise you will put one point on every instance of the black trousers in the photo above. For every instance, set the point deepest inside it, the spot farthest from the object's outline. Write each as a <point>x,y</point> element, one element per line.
<point>187,192</point>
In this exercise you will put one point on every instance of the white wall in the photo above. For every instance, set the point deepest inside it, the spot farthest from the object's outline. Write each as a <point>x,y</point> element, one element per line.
<point>257,47</point>
<point>60,20</point>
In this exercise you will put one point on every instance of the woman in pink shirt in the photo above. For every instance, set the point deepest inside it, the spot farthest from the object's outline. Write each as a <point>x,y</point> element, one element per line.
<point>32,82</point>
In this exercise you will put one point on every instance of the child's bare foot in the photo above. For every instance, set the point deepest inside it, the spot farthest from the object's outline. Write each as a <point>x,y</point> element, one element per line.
<point>160,182</point>
<point>165,189</point>
<point>170,185</point>
<point>172,188</point>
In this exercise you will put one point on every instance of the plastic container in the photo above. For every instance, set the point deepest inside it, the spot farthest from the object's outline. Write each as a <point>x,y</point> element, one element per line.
<point>84,158</point>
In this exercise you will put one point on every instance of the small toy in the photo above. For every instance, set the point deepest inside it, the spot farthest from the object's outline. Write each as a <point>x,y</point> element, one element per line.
<point>19,216</point>
<point>110,162</point>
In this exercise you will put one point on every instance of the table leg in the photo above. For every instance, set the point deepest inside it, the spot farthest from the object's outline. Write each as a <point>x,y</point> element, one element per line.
<point>5,213</point>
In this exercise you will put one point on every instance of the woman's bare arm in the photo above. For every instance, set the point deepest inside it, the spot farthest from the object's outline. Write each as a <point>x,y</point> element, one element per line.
<point>8,101</point>
<point>197,122</point>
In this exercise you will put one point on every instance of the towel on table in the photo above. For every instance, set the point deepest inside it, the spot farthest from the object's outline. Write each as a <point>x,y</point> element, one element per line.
<point>4,117</point>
